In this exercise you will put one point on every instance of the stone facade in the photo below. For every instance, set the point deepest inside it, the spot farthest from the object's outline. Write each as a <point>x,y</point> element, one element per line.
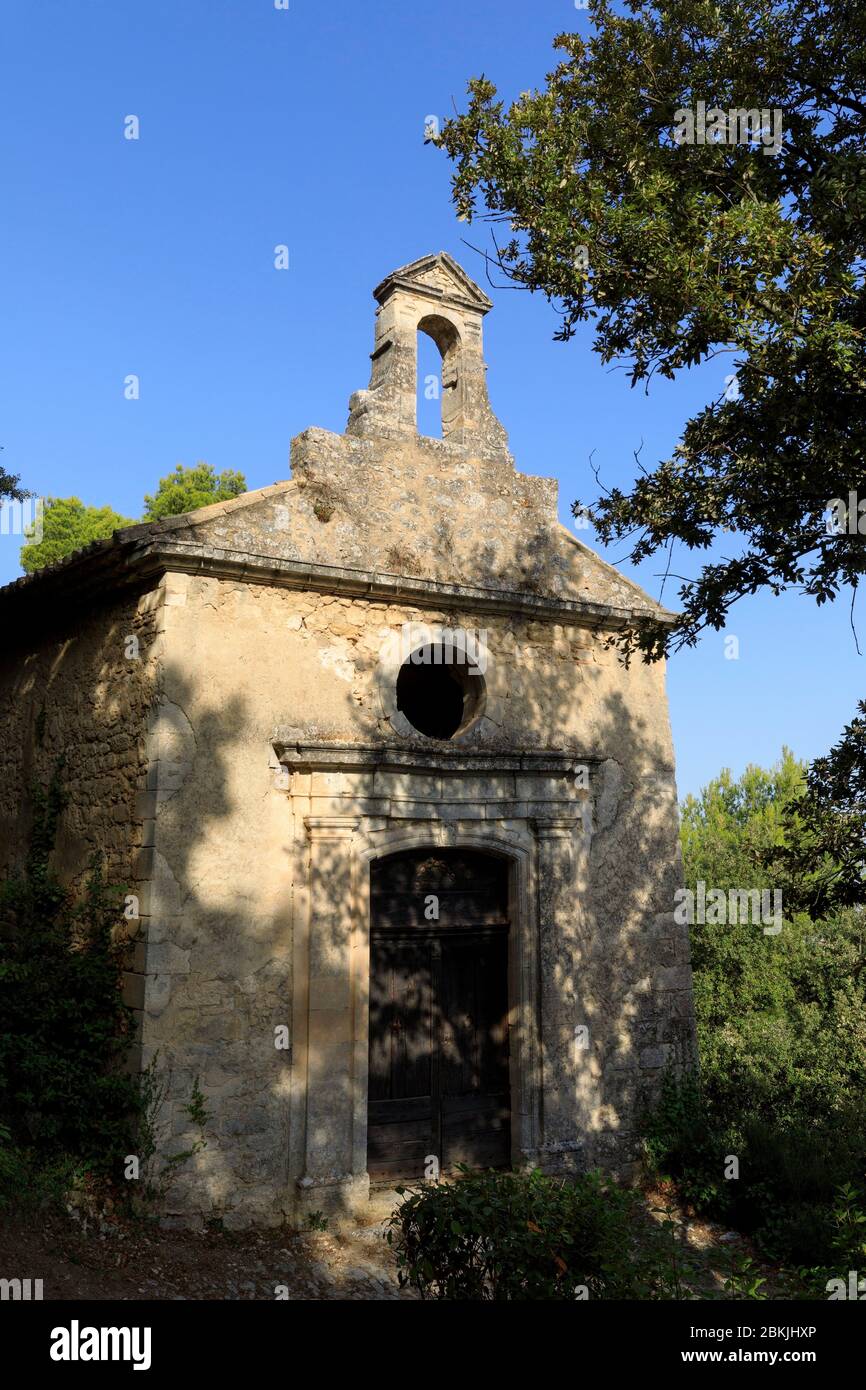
<point>244,769</point>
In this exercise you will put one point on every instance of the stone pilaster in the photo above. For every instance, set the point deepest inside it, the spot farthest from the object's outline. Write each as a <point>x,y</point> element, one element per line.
<point>327,1181</point>
<point>562,860</point>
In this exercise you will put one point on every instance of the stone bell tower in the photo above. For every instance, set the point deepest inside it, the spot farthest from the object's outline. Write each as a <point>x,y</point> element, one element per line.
<point>433,295</point>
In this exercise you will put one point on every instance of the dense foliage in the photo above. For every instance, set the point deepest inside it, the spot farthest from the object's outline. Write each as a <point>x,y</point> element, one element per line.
<point>498,1236</point>
<point>71,1115</point>
<point>782,1037</point>
<point>678,252</point>
<point>63,1026</point>
<point>188,488</point>
<point>68,525</point>
<point>822,862</point>
<point>505,1236</point>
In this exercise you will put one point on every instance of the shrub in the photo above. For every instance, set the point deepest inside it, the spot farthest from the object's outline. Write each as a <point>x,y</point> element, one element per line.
<point>781,1023</point>
<point>791,1170</point>
<point>499,1236</point>
<point>63,1026</point>
<point>683,1143</point>
<point>29,1180</point>
<point>69,1114</point>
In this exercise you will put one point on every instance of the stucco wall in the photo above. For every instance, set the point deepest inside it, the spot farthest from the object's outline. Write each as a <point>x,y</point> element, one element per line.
<point>242,661</point>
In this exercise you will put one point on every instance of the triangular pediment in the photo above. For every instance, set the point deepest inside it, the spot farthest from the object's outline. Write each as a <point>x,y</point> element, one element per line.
<point>438,277</point>
<point>350,515</point>
<point>352,507</point>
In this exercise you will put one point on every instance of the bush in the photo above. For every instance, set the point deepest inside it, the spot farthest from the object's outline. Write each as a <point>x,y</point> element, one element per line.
<point>30,1180</point>
<point>64,1029</point>
<point>499,1236</point>
<point>791,1171</point>
<point>683,1143</point>
<point>781,1023</point>
<point>69,1115</point>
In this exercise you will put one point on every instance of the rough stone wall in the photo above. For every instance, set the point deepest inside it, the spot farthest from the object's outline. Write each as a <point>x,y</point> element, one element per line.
<point>72,691</point>
<point>417,507</point>
<point>381,498</point>
<point>81,690</point>
<point>282,658</point>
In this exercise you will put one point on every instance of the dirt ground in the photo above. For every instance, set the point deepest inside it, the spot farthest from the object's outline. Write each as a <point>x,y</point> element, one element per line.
<point>138,1260</point>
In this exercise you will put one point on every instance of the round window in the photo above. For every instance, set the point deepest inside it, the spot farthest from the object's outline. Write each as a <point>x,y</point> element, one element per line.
<point>440,691</point>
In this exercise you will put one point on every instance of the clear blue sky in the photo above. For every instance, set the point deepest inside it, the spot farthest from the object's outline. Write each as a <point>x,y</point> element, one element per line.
<point>305,127</point>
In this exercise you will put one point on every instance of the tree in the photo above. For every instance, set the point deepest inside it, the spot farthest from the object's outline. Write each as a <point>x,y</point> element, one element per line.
<point>680,251</point>
<point>770,1008</point>
<point>823,860</point>
<point>781,1023</point>
<point>9,487</point>
<point>68,525</point>
<point>681,241</point>
<point>188,488</point>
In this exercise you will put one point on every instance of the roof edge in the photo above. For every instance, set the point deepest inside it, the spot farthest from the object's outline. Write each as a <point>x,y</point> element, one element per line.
<point>136,561</point>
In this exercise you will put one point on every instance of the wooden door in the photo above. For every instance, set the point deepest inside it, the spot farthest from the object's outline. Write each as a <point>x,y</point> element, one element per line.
<point>438,1077</point>
<point>473,1049</point>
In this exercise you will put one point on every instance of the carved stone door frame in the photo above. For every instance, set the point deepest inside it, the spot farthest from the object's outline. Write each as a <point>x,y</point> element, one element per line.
<point>547,855</point>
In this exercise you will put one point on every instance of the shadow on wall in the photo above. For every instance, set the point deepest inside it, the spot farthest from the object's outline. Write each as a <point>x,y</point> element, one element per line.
<point>220,962</point>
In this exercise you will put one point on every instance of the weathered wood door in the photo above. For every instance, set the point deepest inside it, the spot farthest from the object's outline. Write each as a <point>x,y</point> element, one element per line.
<point>438,1078</point>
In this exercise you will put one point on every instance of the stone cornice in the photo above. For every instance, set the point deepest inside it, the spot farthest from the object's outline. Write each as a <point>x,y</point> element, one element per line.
<point>386,588</point>
<point>555,827</point>
<point>110,566</point>
<point>456,761</point>
<point>330,828</point>
<point>461,290</point>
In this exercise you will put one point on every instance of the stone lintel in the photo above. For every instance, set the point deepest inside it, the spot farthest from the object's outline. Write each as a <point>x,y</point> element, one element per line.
<point>331,827</point>
<point>555,827</point>
<point>448,761</point>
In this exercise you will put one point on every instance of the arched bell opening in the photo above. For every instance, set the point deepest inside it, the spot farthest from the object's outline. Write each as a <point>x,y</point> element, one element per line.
<point>448,388</point>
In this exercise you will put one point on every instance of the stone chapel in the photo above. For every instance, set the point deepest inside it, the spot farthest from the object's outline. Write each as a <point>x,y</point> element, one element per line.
<point>401,828</point>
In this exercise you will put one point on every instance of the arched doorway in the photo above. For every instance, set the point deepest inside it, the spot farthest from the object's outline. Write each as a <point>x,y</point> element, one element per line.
<point>438,1070</point>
